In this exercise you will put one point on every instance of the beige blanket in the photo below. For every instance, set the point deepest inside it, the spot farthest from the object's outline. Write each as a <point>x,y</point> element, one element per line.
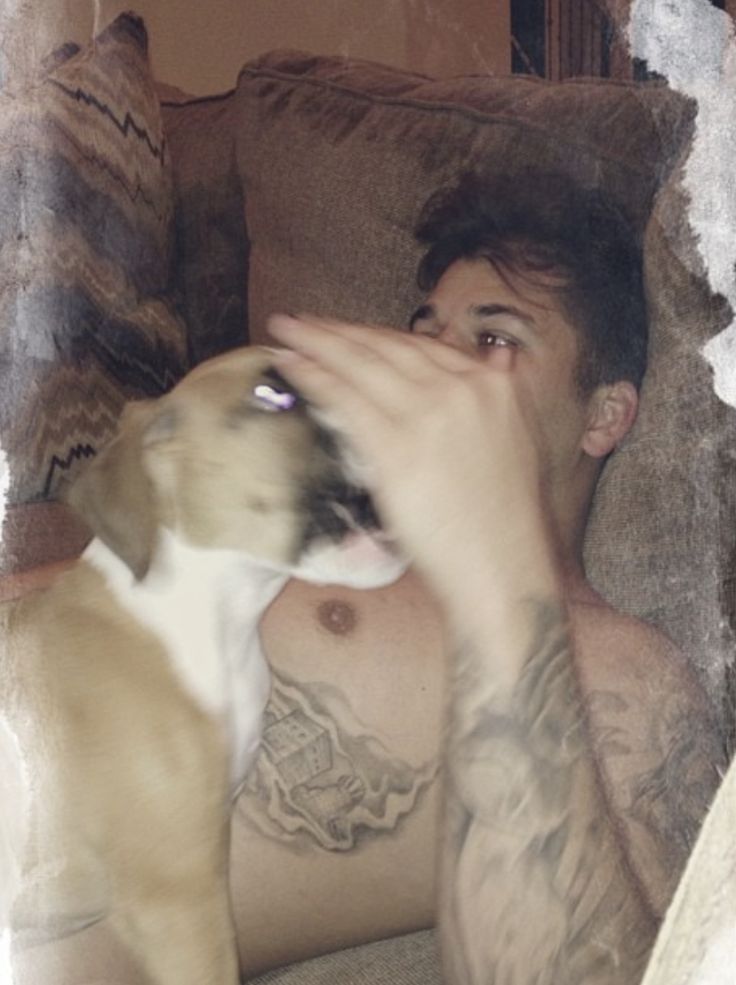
<point>697,942</point>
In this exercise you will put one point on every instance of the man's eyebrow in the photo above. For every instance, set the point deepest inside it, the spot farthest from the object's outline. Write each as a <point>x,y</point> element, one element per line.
<point>490,310</point>
<point>427,311</point>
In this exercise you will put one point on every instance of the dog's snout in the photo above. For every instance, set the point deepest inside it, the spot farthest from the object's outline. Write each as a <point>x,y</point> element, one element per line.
<point>337,508</point>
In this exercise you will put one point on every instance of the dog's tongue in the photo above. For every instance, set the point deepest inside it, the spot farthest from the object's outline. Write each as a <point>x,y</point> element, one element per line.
<point>364,548</point>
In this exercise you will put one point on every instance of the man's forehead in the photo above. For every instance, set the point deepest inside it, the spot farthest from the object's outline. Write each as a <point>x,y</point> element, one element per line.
<point>483,290</point>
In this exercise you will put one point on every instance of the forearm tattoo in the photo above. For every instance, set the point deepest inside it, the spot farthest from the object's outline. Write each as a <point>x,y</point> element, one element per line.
<point>536,888</point>
<point>662,777</point>
<point>323,778</point>
<point>672,797</point>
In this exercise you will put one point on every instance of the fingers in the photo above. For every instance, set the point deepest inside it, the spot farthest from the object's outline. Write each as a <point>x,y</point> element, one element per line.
<point>344,407</point>
<point>337,362</point>
<point>356,370</point>
<point>338,342</point>
<point>322,387</point>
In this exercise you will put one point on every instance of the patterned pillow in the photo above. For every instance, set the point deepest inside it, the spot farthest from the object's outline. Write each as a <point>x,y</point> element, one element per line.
<point>86,224</point>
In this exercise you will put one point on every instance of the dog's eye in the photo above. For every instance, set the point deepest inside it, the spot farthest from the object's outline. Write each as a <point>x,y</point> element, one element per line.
<point>272,399</point>
<point>274,394</point>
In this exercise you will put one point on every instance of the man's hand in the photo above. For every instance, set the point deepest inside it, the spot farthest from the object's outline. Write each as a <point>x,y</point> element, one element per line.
<point>453,456</point>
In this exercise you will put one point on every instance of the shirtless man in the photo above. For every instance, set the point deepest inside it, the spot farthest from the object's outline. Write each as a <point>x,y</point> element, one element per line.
<point>580,757</point>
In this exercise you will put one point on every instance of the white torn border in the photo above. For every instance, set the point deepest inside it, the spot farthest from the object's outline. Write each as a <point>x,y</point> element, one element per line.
<point>693,45</point>
<point>7,861</point>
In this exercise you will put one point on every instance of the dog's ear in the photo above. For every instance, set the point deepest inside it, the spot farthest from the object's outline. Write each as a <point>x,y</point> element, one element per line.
<point>114,494</point>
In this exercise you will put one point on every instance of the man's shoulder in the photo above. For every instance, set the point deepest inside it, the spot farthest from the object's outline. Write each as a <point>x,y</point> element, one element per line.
<point>636,680</point>
<point>619,651</point>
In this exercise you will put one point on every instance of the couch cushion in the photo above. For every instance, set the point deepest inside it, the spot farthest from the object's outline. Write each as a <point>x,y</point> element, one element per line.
<point>337,157</point>
<point>86,232</point>
<point>411,959</point>
<point>211,247</point>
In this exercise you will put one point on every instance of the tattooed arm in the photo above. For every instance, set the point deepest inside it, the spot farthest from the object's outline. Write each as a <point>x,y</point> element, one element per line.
<point>577,783</point>
<point>536,884</point>
<point>654,735</point>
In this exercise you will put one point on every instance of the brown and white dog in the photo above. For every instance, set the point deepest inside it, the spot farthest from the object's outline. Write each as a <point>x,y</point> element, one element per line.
<point>133,688</point>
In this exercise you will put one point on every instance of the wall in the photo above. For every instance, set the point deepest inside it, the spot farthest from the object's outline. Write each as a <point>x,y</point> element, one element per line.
<point>457,37</point>
<point>199,45</point>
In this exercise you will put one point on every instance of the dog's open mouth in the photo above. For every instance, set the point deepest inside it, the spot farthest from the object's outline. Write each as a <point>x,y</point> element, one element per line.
<point>344,542</point>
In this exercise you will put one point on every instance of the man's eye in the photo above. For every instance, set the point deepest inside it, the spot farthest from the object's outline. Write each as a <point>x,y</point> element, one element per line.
<point>489,340</point>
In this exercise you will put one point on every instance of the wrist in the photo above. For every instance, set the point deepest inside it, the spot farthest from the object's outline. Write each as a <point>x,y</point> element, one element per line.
<point>485,587</point>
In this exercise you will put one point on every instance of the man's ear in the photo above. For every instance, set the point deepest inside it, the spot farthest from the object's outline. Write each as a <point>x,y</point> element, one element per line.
<point>612,412</point>
<point>114,494</point>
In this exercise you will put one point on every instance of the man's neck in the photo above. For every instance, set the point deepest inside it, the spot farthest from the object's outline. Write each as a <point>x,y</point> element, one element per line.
<point>571,506</point>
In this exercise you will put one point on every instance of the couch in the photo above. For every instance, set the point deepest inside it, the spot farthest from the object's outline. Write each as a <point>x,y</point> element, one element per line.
<point>144,230</point>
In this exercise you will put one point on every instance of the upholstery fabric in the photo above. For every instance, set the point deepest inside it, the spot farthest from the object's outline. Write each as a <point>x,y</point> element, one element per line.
<point>337,157</point>
<point>408,960</point>
<point>661,538</point>
<point>211,247</point>
<point>86,210</point>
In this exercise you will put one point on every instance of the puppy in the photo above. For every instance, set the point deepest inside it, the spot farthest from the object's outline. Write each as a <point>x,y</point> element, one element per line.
<point>133,688</point>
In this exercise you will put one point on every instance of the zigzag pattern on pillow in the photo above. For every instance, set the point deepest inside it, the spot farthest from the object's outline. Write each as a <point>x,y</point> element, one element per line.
<point>86,226</point>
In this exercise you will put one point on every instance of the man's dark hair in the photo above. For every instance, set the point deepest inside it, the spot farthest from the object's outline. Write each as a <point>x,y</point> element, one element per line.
<point>543,227</point>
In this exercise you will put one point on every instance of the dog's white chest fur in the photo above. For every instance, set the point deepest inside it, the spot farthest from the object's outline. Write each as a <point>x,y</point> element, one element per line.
<point>205,606</point>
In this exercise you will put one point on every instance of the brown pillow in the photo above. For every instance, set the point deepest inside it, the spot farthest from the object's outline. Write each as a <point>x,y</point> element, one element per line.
<point>336,158</point>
